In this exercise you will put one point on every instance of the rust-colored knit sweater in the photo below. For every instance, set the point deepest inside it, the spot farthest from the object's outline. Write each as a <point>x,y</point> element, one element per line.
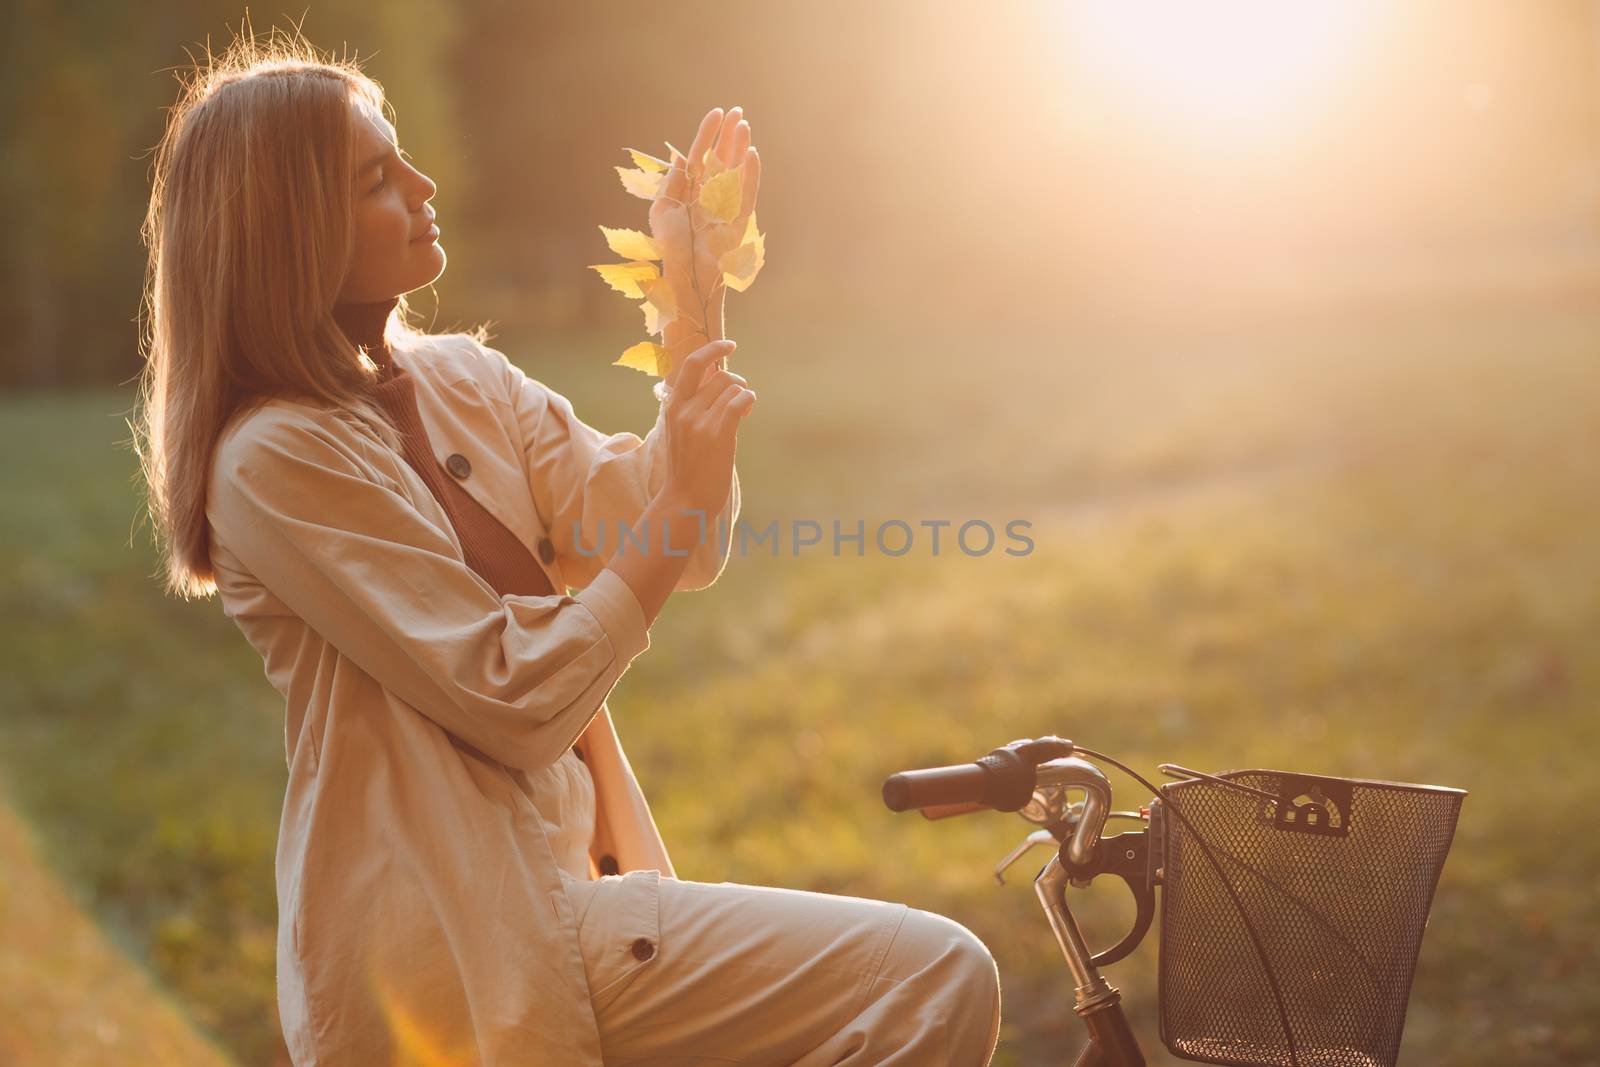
<point>491,550</point>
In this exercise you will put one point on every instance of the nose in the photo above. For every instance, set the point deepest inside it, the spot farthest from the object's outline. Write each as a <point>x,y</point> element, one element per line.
<point>427,188</point>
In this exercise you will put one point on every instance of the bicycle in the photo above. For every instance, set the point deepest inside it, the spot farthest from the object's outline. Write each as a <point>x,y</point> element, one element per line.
<point>1292,905</point>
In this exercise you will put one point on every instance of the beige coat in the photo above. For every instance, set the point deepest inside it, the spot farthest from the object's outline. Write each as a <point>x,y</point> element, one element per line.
<point>421,911</point>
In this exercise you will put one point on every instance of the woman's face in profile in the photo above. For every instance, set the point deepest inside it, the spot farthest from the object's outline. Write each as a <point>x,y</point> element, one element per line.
<point>397,246</point>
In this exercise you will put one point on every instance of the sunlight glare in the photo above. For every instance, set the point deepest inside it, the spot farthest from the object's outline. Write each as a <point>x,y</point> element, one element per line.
<point>1217,63</point>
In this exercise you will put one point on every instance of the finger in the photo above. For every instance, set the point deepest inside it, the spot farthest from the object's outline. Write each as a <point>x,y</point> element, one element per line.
<point>694,370</point>
<point>752,183</point>
<point>705,134</point>
<point>741,141</point>
<point>676,184</point>
<point>732,406</point>
<point>703,140</point>
<point>718,379</point>
<point>724,144</point>
<point>713,409</point>
<point>711,388</point>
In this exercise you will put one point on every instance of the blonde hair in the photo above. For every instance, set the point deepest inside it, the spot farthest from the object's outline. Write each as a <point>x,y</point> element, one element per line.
<point>250,231</point>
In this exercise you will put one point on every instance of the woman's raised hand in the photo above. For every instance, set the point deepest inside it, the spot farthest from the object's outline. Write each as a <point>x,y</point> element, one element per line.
<point>704,411</point>
<point>688,260</point>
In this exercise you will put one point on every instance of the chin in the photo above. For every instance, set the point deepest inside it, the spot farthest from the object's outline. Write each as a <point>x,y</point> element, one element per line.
<point>431,274</point>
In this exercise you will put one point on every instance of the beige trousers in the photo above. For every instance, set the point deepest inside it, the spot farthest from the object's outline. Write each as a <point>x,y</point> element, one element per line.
<point>685,972</point>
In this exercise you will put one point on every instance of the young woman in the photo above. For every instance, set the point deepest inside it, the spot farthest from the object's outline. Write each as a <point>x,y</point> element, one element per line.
<point>467,870</point>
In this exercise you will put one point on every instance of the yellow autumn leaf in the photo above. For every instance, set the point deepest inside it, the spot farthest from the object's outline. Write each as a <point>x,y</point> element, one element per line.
<point>711,164</point>
<point>625,277</point>
<point>646,162</point>
<point>673,155</point>
<point>726,236</point>
<point>640,183</point>
<point>652,318</point>
<point>646,356</point>
<point>723,237</point>
<point>740,266</point>
<point>720,196</point>
<point>738,263</point>
<point>660,293</point>
<point>631,244</point>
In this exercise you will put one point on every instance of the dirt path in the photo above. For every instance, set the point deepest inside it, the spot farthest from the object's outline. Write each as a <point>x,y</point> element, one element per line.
<point>71,998</point>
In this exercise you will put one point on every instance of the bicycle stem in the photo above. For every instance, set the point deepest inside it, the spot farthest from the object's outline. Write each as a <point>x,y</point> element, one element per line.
<point>1051,888</point>
<point>1097,1002</point>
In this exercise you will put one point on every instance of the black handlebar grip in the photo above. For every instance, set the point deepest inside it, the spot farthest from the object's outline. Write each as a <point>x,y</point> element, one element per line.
<point>1011,779</point>
<point>1003,780</point>
<point>963,783</point>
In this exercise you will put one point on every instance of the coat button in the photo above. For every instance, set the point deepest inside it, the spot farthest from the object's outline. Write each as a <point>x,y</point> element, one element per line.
<point>643,949</point>
<point>547,550</point>
<point>457,465</point>
<point>608,865</point>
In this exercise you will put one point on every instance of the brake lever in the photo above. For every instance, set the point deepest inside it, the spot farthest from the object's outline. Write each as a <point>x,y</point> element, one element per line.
<point>1038,837</point>
<point>948,811</point>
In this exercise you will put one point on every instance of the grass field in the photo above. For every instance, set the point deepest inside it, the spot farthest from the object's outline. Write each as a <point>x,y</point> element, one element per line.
<point>1367,549</point>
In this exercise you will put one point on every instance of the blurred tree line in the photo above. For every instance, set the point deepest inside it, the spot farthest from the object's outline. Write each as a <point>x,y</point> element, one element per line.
<point>921,162</point>
<point>518,111</point>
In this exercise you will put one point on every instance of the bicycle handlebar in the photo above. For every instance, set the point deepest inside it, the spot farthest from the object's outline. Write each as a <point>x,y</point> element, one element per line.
<point>964,783</point>
<point>1040,772</point>
<point>1003,780</point>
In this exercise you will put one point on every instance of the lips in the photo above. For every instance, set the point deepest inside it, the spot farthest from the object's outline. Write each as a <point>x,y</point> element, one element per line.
<point>432,230</point>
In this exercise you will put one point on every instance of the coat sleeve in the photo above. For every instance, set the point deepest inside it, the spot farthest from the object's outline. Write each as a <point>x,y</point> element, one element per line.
<point>518,677</point>
<point>590,484</point>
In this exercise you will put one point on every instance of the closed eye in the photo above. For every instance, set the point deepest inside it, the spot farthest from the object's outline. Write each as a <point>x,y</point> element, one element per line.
<point>395,150</point>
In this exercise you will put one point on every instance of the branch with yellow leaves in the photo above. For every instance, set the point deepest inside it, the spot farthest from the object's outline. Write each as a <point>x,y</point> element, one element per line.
<point>703,240</point>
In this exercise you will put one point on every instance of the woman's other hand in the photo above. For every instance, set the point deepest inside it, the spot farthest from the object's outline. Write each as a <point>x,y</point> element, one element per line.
<point>704,412</point>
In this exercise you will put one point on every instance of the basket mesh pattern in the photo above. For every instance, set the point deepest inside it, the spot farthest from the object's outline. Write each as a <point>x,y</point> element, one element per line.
<point>1338,909</point>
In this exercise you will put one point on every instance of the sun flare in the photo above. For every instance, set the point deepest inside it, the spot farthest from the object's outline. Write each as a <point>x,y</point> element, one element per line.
<point>1216,65</point>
